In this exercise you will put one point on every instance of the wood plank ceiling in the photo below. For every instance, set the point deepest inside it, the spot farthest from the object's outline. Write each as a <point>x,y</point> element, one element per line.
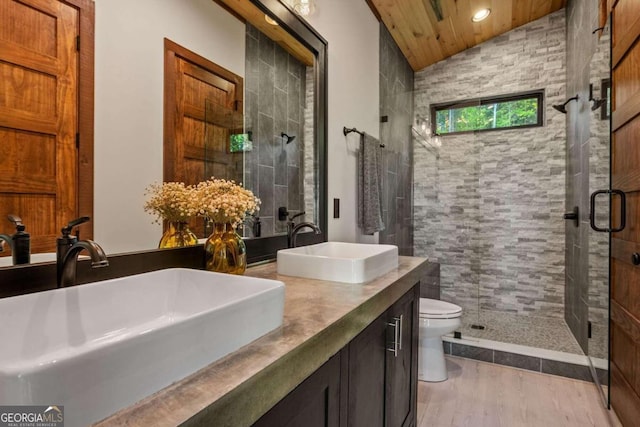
<point>428,31</point>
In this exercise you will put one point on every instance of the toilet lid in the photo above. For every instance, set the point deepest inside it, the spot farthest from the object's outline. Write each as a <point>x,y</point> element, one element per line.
<point>438,309</point>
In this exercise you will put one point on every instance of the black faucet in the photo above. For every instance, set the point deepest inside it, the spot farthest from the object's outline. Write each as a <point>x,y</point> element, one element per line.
<point>70,261</point>
<point>254,222</point>
<point>65,242</point>
<point>291,224</point>
<point>292,228</point>
<point>293,233</point>
<point>8,239</point>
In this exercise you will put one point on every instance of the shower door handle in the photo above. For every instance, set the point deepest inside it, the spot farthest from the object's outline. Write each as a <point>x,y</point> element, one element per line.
<point>623,211</point>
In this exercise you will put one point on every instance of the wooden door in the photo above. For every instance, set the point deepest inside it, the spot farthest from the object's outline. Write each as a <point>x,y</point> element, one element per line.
<point>38,117</point>
<point>197,138</point>
<point>625,250</point>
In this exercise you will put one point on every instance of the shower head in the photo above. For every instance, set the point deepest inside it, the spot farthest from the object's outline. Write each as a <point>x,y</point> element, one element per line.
<point>562,107</point>
<point>597,103</point>
<point>287,138</point>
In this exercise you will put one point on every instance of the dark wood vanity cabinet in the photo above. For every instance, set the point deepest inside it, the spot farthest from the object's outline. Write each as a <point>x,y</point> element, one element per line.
<point>383,368</point>
<point>371,382</point>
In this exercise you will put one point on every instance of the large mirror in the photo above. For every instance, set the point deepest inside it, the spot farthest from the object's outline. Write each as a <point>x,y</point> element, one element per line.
<point>279,63</point>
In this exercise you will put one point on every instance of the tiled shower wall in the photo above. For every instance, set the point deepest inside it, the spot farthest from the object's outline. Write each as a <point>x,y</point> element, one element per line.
<point>488,206</point>
<point>396,104</point>
<point>586,256</point>
<point>275,96</point>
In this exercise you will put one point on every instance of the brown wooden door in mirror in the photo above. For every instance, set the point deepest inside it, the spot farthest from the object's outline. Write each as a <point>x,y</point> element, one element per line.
<point>203,108</point>
<point>38,117</point>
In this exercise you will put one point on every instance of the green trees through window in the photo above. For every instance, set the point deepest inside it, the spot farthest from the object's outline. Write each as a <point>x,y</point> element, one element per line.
<point>505,112</point>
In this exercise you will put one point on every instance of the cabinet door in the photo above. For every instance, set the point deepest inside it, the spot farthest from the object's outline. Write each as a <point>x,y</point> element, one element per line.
<point>383,384</point>
<point>366,376</point>
<point>402,367</point>
<point>314,403</point>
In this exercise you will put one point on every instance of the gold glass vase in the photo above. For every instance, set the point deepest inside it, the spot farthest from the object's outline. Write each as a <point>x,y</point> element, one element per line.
<point>177,235</point>
<point>225,250</point>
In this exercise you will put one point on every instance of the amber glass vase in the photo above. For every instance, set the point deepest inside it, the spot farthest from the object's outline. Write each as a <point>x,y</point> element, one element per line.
<point>177,235</point>
<point>225,250</point>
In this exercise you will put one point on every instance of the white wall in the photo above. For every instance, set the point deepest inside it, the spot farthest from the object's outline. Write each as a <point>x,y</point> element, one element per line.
<point>352,33</point>
<point>129,73</point>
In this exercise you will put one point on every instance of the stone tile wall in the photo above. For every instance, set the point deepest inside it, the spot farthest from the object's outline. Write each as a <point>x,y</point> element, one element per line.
<point>396,103</point>
<point>275,98</point>
<point>488,206</point>
<point>310,176</point>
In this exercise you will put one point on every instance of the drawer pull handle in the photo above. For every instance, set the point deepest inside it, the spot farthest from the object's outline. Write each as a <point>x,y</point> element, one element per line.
<point>396,336</point>
<point>400,333</point>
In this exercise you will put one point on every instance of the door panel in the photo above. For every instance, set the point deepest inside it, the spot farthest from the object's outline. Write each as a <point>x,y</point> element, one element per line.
<point>626,78</point>
<point>625,276</point>
<point>624,293</point>
<point>38,117</point>
<point>192,82</point>
<point>197,92</point>
<point>367,376</point>
<point>314,403</point>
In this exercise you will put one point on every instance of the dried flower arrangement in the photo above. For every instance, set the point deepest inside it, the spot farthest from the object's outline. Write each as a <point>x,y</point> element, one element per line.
<point>219,200</point>
<point>171,201</point>
<point>225,201</point>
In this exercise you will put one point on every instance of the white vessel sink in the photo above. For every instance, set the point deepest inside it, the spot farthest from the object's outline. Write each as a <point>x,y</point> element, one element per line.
<point>7,261</point>
<point>99,347</point>
<point>35,258</point>
<point>338,261</point>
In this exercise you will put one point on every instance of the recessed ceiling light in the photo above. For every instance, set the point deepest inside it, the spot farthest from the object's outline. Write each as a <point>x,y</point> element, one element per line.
<point>270,20</point>
<point>480,15</point>
<point>304,7</point>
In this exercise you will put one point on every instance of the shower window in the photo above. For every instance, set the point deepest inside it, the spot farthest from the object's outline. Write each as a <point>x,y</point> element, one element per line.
<point>492,113</point>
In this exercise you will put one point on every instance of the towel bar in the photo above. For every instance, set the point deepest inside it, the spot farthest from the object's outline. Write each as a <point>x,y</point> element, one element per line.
<point>346,131</point>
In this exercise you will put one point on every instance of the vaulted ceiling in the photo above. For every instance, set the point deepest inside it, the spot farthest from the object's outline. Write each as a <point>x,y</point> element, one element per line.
<point>428,31</point>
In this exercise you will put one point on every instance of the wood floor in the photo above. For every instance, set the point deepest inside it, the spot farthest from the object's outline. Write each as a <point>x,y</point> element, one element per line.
<point>479,394</point>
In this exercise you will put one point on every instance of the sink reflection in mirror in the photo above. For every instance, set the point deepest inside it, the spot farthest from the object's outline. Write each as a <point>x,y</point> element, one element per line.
<point>7,261</point>
<point>121,338</point>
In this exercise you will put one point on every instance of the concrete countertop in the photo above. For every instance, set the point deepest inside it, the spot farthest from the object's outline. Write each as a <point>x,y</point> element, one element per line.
<point>320,318</point>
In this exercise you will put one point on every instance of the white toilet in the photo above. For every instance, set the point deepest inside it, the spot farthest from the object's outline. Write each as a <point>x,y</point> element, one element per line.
<point>437,318</point>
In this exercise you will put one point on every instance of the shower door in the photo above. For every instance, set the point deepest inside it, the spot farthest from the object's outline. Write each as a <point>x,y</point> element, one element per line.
<point>599,157</point>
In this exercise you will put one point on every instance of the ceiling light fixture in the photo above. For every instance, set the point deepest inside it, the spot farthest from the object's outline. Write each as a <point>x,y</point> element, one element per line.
<point>481,15</point>
<point>304,7</point>
<point>270,20</point>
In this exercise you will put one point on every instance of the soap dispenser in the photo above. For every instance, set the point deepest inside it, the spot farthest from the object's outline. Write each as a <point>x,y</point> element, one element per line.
<point>21,247</point>
<point>64,242</point>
